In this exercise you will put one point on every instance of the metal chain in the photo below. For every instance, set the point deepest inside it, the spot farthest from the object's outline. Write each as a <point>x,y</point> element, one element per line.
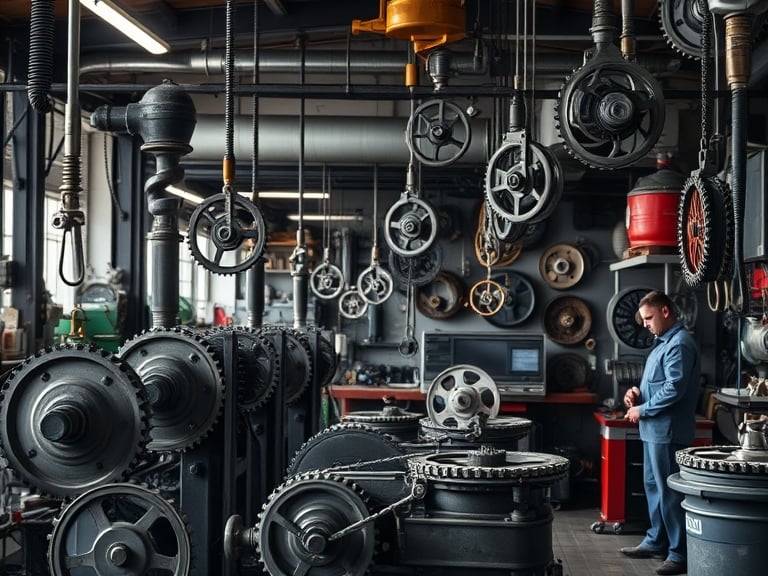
<point>706,91</point>
<point>418,491</point>
<point>229,105</point>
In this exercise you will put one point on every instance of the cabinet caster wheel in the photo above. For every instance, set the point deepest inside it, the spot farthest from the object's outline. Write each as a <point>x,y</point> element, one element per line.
<point>598,527</point>
<point>555,569</point>
<point>618,528</point>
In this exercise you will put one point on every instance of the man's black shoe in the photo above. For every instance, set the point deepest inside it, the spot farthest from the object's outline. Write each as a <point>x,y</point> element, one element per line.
<point>640,552</point>
<point>669,568</point>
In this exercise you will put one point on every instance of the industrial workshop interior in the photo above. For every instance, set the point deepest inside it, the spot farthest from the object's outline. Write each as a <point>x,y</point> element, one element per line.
<point>349,287</point>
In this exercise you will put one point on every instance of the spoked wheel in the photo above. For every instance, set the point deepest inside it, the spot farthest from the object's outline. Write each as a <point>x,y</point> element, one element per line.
<point>298,524</point>
<point>704,230</point>
<point>119,530</point>
<point>459,394</point>
<point>438,133</point>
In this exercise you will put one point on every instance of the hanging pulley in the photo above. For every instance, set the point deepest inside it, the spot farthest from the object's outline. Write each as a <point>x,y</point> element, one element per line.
<point>438,133</point>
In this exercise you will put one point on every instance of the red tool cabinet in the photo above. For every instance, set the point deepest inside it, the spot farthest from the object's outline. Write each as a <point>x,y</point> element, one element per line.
<point>622,496</point>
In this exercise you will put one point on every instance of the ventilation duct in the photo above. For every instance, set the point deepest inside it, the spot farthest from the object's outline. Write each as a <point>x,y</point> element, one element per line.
<point>327,139</point>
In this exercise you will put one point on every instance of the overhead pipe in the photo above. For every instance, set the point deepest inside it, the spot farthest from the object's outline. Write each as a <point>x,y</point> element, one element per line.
<point>328,140</point>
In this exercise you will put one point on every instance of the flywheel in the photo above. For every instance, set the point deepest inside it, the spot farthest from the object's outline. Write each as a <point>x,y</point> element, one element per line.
<point>568,373</point>
<point>119,530</point>
<point>567,320</point>
<point>72,419</point>
<point>184,381</point>
<point>624,321</point>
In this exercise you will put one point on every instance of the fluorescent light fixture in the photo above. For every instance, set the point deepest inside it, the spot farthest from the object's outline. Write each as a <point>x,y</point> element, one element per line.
<point>185,194</point>
<point>290,195</point>
<point>332,217</point>
<point>108,11</point>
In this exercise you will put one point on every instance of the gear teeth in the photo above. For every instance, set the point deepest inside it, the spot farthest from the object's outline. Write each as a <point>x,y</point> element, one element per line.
<point>200,347</point>
<point>696,458</point>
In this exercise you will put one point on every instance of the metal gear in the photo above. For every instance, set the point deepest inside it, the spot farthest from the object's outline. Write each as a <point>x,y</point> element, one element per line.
<point>418,270</point>
<point>461,393</point>
<point>297,362</point>
<point>326,359</point>
<point>492,431</point>
<point>624,322</point>
<point>119,530</point>
<point>73,418</point>
<point>258,364</point>
<point>682,22</point>
<point>411,226</point>
<point>298,522</point>
<point>720,460</point>
<point>471,467</point>
<point>523,182</point>
<point>347,446</point>
<point>610,112</point>
<point>705,232</point>
<point>438,128</point>
<point>242,231</point>
<point>184,381</point>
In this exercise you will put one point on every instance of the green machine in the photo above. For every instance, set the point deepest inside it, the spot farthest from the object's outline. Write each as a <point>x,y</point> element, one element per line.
<point>97,317</point>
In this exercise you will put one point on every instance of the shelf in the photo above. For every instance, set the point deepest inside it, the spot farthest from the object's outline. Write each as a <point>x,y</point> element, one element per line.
<point>645,260</point>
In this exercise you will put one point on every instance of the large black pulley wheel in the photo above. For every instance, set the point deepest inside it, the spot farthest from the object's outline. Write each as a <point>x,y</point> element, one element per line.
<point>297,532</point>
<point>438,133</point>
<point>241,234</point>
<point>611,112</point>
<point>704,230</point>
<point>119,529</point>
<point>523,183</point>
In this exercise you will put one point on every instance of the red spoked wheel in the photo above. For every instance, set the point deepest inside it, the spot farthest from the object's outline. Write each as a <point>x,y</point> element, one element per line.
<point>704,230</point>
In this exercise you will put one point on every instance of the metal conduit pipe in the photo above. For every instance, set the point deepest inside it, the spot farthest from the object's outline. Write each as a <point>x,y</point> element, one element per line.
<point>330,62</point>
<point>328,139</point>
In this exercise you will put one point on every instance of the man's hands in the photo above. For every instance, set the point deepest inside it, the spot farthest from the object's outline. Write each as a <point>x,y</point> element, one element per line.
<point>631,399</point>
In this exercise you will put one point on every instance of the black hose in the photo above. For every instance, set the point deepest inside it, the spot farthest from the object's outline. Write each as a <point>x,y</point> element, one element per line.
<point>42,23</point>
<point>739,107</point>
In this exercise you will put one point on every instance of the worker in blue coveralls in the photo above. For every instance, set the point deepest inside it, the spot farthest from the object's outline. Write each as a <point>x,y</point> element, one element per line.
<point>664,407</point>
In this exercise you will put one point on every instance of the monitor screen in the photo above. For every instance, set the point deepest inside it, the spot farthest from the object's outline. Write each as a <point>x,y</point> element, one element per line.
<point>504,359</point>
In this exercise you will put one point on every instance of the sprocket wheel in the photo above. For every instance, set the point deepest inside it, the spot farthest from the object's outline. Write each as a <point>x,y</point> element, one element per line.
<point>704,230</point>
<point>244,231</point>
<point>489,465</point>
<point>610,112</point>
<point>438,133</point>
<point>297,362</point>
<point>73,418</point>
<point>167,361</point>
<point>258,365</point>
<point>119,530</point>
<point>298,522</point>
<point>522,189</point>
